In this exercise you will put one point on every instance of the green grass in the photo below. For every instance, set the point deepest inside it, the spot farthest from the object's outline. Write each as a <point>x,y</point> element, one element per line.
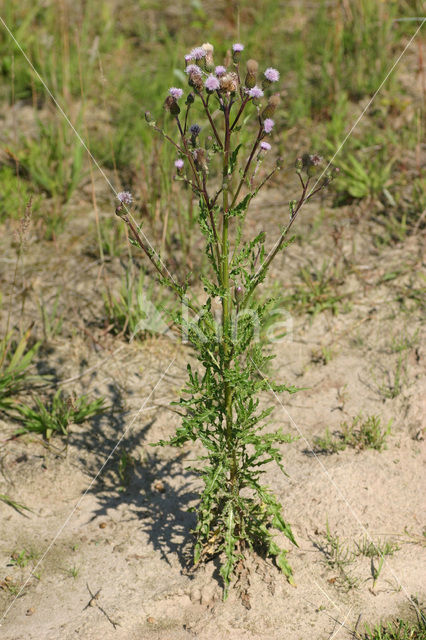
<point>136,310</point>
<point>361,433</point>
<point>16,356</point>
<point>397,630</point>
<point>393,381</point>
<point>318,291</point>
<point>339,556</point>
<point>12,503</point>
<point>369,549</point>
<point>56,416</point>
<point>23,557</point>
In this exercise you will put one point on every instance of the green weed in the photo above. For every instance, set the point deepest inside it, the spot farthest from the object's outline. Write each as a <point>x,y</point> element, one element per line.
<point>318,291</point>
<point>23,557</point>
<point>15,193</point>
<point>126,463</point>
<point>393,381</point>
<point>359,434</point>
<point>51,319</point>
<point>53,162</point>
<point>15,358</point>
<point>339,556</point>
<point>73,572</point>
<point>12,503</point>
<point>364,176</point>
<point>132,312</point>
<point>396,630</point>
<point>113,238</point>
<point>404,343</point>
<point>369,549</point>
<point>58,415</point>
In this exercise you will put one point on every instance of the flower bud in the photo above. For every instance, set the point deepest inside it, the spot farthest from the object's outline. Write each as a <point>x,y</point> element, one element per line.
<point>270,108</point>
<point>312,164</point>
<point>194,130</point>
<point>190,98</point>
<point>150,120</point>
<point>252,68</point>
<point>329,176</point>
<point>196,81</point>
<point>229,82</point>
<point>298,164</point>
<point>208,60</point>
<point>236,51</point>
<point>200,158</point>
<point>239,293</point>
<point>171,105</point>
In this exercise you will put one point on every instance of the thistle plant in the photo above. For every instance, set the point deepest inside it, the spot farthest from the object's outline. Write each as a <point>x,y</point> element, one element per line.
<point>220,161</point>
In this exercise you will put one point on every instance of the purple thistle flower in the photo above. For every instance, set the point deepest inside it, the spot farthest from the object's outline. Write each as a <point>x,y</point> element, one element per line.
<point>193,68</point>
<point>268,125</point>
<point>176,93</point>
<point>265,146</point>
<point>220,71</point>
<point>255,92</point>
<point>212,83</point>
<point>179,164</point>
<point>315,159</point>
<point>125,197</point>
<point>272,74</point>
<point>198,53</point>
<point>188,57</point>
<point>237,46</point>
<point>195,129</point>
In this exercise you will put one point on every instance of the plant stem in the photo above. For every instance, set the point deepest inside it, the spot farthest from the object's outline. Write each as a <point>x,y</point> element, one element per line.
<point>201,186</point>
<point>212,124</point>
<point>237,117</point>
<point>247,167</point>
<point>226,302</point>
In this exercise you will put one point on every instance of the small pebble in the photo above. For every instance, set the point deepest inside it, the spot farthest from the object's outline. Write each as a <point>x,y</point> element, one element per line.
<point>159,486</point>
<point>150,620</point>
<point>102,525</point>
<point>30,611</point>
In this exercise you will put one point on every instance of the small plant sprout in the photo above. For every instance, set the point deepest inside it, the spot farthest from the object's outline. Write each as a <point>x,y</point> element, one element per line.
<point>220,405</point>
<point>73,572</point>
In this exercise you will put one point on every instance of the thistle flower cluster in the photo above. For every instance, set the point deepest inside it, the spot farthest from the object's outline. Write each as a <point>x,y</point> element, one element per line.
<point>203,75</point>
<point>223,83</point>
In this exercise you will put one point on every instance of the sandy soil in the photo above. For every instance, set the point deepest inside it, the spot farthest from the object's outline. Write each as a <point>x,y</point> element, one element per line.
<point>127,538</point>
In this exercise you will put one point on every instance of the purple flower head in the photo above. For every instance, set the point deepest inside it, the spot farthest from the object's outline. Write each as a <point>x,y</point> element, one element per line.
<point>272,74</point>
<point>256,92</point>
<point>268,125</point>
<point>188,57</point>
<point>220,71</point>
<point>237,46</point>
<point>125,197</point>
<point>179,164</point>
<point>193,68</point>
<point>265,146</point>
<point>195,129</point>
<point>176,93</point>
<point>315,159</point>
<point>198,53</point>
<point>212,83</point>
